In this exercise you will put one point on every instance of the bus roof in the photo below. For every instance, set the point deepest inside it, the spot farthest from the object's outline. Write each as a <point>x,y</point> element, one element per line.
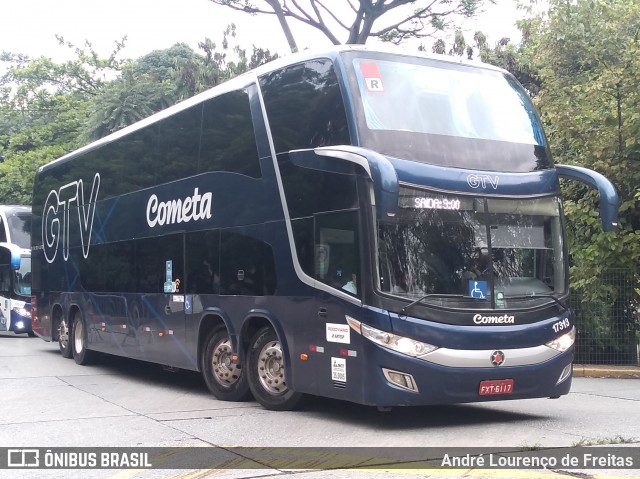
<point>10,209</point>
<point>249,77</point>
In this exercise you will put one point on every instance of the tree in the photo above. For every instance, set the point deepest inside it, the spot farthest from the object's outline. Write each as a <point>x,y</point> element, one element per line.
<point>124,101</point>
<point>145,86</point>
<point>403,21</point>
<point>217,65</point>
<point>43,107</point>
<point>588,61</point>
<point>163,77</point>
<point>589,54</point>
<point>44,130</point>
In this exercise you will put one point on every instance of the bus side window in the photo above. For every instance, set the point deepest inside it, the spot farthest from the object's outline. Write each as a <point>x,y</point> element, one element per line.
<point>247,265</point>
<point>5,279</point>
<point>3,232</point>
<point>305,106</point>
<point>337,233</point>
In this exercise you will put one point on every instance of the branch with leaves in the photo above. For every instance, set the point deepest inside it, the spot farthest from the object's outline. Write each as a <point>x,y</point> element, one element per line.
<point>421,21</point>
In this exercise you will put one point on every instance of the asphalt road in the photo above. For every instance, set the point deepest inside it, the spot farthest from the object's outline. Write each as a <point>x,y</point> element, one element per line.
<point>49,401</point>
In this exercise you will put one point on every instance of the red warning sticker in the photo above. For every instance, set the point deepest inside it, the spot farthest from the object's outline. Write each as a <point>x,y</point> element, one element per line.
<point>372,78</point>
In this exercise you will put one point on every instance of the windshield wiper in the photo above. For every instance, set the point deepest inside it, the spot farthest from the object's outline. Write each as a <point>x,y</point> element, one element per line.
<point>540,295</point>
<point>430,295</point>
<point>404,310</point>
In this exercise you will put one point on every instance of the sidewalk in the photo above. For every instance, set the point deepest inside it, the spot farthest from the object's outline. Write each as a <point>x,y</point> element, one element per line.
<point>605,371</point>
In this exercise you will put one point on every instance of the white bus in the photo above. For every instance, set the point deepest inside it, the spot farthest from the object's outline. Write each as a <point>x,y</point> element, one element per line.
<point>15,269</point>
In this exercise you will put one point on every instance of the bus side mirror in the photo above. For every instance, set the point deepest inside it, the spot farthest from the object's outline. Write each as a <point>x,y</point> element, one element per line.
<point>609,201</point>
<point>10,254</point>
<point>377,167</point>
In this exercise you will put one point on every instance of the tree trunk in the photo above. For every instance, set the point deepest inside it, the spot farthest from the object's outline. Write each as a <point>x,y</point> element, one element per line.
<point>275,4</point>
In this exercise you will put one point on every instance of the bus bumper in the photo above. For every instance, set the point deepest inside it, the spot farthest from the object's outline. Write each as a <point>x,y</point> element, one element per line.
<point>436,384</point>
<point>20,322</point>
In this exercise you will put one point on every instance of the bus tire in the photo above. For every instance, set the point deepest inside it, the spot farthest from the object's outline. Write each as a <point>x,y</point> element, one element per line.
<point>265,367</point>
<point>64,343</point>
<point>81,355</point>
<point>226,379</point>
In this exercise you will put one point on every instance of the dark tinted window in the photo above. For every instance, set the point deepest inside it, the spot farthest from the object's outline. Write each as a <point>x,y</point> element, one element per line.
<point>214,136</point>
<point>109,267</point>
<point>247,266</point>
<point>151,263</point>
<point>126,165</point>
<point>228,140</point>
<point>305,106</point>
<point>203,262</point>
<point>311,191</point>
<point>179,144</point>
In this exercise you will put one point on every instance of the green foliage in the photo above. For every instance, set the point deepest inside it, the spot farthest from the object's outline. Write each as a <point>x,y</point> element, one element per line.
<point>392,21</point>
<point>589,57</point>
<point>124,101</point>
<point>48,109</point>
<point>43,107</point>
<point>587,62</point>
<point>199,73</point>
<point>580,61</point>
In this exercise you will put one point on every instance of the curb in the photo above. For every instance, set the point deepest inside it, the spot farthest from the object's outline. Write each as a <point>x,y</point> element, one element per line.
<point>594,371</point>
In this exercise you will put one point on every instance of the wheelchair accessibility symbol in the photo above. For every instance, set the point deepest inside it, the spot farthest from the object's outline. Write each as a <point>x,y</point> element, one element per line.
<point>478,289</point>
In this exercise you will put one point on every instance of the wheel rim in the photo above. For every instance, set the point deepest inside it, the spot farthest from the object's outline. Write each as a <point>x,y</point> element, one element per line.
<point>225,371</point>
<point>78,337</point>
<point>271,368</point>
<point>63,334</point>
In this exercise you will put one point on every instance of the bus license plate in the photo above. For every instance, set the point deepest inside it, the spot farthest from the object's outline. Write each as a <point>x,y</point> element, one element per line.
<point>498,386</point>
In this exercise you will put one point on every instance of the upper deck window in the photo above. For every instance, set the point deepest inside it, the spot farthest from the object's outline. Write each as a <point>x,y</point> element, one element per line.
<point>305,106</point>
<point>445,113</point>
<point>466,103</point>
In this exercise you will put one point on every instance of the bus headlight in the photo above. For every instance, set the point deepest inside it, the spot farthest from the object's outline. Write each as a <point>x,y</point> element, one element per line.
<point>407,346</point>
<point>22,312</point>
<point>564,342</point>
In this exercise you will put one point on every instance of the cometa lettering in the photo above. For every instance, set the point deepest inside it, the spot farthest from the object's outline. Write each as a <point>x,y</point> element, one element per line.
<point>504,319</point>
<point>195,207</point>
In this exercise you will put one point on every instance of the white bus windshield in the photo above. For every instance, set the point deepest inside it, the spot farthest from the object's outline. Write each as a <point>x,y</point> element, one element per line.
<point>472,103</point>
<point>445,113</point>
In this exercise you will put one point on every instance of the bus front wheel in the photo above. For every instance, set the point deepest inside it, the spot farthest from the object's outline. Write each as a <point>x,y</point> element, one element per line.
<point>81,354</point>
<point>225,378</point>
<point>267,373</point>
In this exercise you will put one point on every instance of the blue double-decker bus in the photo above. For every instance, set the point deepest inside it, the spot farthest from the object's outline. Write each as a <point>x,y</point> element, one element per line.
<point>359,224</point>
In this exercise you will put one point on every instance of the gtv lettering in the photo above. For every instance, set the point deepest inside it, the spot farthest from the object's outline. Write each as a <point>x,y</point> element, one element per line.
<point>480,181</point>
<point>57,213</point>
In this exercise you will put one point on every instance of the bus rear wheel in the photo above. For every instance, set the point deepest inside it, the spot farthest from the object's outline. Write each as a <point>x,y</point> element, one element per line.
<point>267,373</point>
<point>63,339</point>
<point>81,354</point>
<point>225,378</point>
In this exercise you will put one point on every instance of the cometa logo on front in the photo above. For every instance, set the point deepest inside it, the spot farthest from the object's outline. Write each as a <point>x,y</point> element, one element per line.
<point>504,319</point>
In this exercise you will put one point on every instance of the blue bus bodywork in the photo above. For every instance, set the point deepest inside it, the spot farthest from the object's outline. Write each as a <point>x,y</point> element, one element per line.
<point>363,225</point>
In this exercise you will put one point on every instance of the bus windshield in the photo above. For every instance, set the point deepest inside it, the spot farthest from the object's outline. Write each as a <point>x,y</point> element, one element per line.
<point>22,277</point>
<point>20,227</point>
<point>447,114</point>
<point>462,251</point>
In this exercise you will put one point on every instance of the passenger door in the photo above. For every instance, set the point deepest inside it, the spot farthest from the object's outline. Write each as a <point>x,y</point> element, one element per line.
<point>5,290</point>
